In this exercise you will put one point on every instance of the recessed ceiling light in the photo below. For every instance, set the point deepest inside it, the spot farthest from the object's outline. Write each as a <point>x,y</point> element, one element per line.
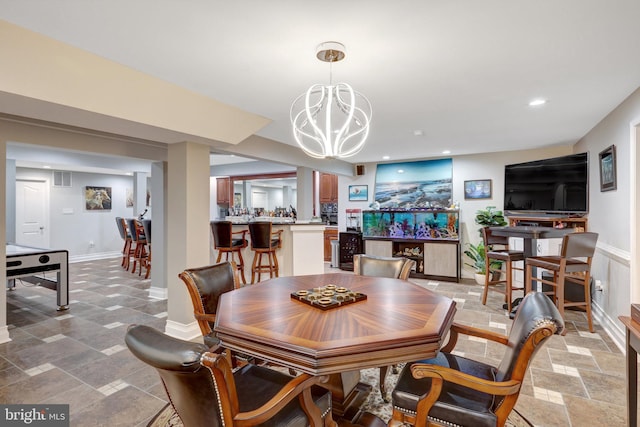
<point>400,170</point>
<point>418,132</point>
<point>46,167</point>
<point>446,152</point>
<point>385,157</point>
<point>537,102</point>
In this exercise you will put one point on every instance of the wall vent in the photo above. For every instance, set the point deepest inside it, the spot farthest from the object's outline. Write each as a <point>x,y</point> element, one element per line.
<point>61,178</point>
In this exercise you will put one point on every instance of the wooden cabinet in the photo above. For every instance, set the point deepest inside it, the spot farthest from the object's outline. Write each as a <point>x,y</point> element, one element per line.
<point>329,235</point>
<point>223,191</point>
<point>328,188</point>
<point>577,223</point>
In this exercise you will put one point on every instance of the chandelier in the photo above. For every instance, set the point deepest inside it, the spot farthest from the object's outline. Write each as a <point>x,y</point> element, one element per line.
<point>331,121</point>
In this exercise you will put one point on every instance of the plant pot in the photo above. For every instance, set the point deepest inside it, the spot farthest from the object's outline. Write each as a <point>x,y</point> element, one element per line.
<point>479,278</point>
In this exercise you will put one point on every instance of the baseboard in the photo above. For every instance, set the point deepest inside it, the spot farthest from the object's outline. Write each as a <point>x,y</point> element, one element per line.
<point>609,325</point>
<point>158,293</point>
<point>94,257</point>
<point>182,331</point>
<point>4,334</point>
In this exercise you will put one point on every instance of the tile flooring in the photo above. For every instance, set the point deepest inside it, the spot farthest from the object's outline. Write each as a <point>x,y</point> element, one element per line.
<point>79,357</point>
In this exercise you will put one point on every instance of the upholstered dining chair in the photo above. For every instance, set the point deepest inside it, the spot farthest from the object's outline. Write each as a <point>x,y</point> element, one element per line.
<point>139,243</point>
<point>226,241</point>
<point>497,250</point>
<point>393,267</point>
<point>454,390</point>
<point>205,285</point>
<point>204,391</point>
<point>127,250</point>
<point>573,265</point>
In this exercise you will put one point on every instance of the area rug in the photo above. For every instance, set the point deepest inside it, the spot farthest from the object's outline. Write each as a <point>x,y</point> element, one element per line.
<point>374,404</point>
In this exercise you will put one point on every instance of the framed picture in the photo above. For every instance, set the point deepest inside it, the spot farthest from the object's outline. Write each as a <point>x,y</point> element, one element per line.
<point>608,169</point>
<point>97,198</point>
<point>477,189</point>
<point>358,193</point>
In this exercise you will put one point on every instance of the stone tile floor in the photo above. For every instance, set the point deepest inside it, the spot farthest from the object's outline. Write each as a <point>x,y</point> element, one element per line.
<point>79,357</point>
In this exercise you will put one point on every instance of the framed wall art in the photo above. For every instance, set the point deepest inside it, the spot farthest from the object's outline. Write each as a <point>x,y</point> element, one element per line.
<point>477,189</point>
<point>358,193</point>
<point>608,169</point>
<point>97,198</point>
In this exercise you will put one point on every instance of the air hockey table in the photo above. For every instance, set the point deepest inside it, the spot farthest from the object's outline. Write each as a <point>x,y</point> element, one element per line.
<point>25,261</point>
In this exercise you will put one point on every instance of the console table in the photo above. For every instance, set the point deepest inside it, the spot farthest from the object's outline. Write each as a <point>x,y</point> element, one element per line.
<point>578,224</point>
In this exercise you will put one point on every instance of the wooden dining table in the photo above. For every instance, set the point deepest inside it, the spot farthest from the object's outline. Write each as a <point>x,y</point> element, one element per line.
<point>398,321</point>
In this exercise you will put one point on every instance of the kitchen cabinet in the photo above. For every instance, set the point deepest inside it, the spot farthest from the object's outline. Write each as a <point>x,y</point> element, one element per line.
<point>223,190</point>
<point>328,188</point>
<point>329,235</point>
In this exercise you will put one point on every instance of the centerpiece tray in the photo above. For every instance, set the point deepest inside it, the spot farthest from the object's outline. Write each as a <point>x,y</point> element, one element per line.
<point>328,297</point>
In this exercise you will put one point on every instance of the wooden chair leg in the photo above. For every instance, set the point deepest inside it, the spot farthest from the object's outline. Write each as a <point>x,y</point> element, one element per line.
<point>587,299</point>
<point>275,263</point>
<point>508,286</point>
<point>241,267</point>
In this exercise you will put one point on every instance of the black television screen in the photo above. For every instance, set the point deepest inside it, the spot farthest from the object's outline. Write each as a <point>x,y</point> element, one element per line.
<point>557,185</point>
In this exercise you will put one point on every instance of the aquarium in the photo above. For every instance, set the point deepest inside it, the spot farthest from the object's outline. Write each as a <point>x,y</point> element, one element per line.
<point>411,224</point>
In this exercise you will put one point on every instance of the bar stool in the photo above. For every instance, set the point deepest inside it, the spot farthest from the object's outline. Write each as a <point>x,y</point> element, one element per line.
<point>573,265</point>
<point>224,242</point>
<point>139,242</point>
<point>505,255</point>
<point>264,241</point>
<point>146,226</point>
<point>127,250</point>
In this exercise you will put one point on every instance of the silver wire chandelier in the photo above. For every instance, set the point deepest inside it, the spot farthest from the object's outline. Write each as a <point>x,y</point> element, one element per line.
<point>331,121</point>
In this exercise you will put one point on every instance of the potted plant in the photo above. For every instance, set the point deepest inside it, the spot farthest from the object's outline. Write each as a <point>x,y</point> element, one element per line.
<point>489,217</point>
<point>485,218</point>
<point>476,254</point>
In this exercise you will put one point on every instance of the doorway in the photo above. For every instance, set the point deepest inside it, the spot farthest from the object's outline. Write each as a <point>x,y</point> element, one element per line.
<point>32,213</point>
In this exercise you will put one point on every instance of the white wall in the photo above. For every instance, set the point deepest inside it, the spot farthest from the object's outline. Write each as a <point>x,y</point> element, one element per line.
<point>614,214</point>
<point>481,166</point>
<point>74,231</point>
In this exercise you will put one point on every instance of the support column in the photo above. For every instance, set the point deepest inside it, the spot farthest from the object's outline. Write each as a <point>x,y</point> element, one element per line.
<point>4,331</point>
<point>158,287</point>
<point>187,230</point>
<point>140,193</point>
<point>10,209</point>
<point>305,193</point>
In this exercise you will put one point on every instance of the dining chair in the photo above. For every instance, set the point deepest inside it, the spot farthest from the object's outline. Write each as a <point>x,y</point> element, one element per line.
<point>125,235</point>
<point>264,241</point>
<point>226,241</point>
<point>393,267</point>
<point>454,390</point>
<point>139,242</point>
<point>497,253</point>
<point>146,228</point>
<point>205,285</point>
<point>573,265</point>
<point>203,390</point>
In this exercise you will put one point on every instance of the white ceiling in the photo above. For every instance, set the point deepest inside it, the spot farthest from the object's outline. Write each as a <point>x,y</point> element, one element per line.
<point>461,71</point>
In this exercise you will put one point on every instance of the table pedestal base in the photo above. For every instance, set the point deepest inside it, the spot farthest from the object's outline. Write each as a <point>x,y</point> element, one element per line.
<point>348,394</point>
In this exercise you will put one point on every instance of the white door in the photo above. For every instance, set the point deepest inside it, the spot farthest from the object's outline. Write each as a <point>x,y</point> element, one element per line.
<point>32,213</point>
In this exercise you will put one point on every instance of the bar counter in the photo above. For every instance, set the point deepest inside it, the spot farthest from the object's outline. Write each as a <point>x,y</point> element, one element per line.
<point>302,250</point>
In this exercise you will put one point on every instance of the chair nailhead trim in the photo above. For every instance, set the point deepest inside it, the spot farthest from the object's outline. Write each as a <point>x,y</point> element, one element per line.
<point>215,385</point>
<point>414,413</point>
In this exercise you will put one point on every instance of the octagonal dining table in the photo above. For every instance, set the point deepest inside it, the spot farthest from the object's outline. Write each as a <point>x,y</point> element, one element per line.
<point>399,321</point>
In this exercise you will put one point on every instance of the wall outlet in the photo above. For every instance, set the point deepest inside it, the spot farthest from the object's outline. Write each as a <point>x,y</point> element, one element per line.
<point>599,286</point>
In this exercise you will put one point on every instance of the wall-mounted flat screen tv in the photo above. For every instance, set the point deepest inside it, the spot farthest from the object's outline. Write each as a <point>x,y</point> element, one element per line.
<point>557,185</point>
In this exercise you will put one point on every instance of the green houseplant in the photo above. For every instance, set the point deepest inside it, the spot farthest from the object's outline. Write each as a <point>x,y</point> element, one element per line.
<point>485,218</point>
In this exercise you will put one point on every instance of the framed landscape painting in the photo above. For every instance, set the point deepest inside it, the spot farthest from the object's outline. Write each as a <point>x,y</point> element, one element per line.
<point>477,189</point>
<point>608,169</point>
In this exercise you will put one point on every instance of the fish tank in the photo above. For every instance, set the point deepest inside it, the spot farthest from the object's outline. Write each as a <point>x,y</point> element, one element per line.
<point>418,224</point>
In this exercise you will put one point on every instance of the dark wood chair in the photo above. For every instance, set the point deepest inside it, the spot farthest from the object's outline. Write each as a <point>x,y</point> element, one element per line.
<point>226,241</point>
<point>203,390</point>
<point>127,250</point>
<point>453,390</point>
<point>146,227</point>
<point>205,285</point>
<point>573,265</point>
<point>264,241</point>
<point>497,250</point>
<point>139,243</point>
<point>394,267</point>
